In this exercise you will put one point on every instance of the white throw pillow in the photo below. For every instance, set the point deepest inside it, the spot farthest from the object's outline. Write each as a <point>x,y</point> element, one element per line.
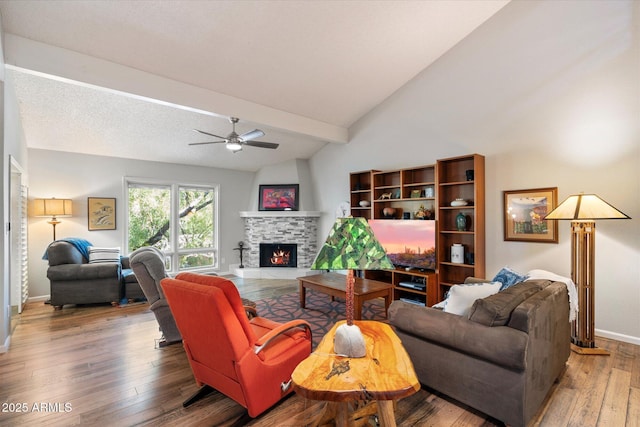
<point>100,255</point>
<point>462,297</point>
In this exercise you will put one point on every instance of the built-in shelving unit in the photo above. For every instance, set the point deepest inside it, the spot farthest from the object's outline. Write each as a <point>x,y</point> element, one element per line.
<point>433,188</point>
<point>460,178</point>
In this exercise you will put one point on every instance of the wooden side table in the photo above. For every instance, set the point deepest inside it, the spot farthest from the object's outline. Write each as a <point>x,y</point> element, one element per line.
<point>384,375</point>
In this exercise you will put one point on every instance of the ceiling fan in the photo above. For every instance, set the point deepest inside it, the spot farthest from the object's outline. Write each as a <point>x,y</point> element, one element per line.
<point>234,142</point>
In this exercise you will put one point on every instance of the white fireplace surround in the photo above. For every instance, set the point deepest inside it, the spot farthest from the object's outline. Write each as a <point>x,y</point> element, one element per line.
<point>300,227</point>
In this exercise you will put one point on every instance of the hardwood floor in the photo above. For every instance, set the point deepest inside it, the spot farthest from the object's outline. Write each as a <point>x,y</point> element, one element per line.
<point>98,366</point>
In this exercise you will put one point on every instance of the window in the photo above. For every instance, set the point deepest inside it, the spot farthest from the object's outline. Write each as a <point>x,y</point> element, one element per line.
<point>180,220</point>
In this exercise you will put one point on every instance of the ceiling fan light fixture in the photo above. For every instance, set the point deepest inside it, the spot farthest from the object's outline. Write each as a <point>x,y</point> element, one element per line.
<point>233,146</point>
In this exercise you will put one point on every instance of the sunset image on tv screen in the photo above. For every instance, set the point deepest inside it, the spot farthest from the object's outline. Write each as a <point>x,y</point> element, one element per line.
<point>408,243</point>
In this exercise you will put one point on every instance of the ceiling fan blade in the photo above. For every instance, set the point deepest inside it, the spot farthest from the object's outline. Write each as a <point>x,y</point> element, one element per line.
<point>248,136</point>
<point>209,142</point>
<point>210,134</point>
<point>262,144</point>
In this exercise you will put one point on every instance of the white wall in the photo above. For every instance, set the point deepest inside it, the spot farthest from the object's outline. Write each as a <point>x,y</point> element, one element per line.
<point>295,171</point>
<point>549,93</point>
<point>78,176</point>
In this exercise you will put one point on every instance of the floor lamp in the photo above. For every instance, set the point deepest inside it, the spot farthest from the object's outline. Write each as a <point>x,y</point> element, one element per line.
<point>583,210</point>
<point>53,208</point>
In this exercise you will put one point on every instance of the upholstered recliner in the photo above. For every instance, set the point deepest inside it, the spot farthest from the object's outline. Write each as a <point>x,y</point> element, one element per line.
<point>250,361</point>
<point>148,266</point>
<point>76,281</point>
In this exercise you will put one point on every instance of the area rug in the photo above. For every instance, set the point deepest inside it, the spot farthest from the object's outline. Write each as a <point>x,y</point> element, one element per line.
<point>320,311</point>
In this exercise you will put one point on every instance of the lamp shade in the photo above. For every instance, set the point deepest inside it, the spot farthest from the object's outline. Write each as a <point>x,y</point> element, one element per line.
<point>585,207</point>
<point>52,207</point>
<point>351,245</point>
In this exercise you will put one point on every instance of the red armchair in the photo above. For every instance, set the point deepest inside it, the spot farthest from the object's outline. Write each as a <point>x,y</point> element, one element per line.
<point>250,361</point>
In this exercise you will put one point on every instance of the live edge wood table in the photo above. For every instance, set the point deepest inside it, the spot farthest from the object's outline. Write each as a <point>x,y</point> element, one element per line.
<point>334,284</point>
<point>384,375</point>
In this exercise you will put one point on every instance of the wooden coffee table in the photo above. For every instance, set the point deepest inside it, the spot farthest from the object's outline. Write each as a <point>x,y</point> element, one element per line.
<point>383,375</point>
<point>334,284</point>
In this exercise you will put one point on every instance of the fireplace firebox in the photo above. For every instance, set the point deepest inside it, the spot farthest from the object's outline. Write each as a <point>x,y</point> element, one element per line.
<point>278,255</point>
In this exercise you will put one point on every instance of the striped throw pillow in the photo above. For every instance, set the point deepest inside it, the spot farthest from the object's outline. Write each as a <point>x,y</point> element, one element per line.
<point>101,255</point>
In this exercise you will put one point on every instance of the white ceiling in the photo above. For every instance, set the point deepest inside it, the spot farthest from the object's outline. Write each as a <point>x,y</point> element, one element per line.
<point>302,71</point>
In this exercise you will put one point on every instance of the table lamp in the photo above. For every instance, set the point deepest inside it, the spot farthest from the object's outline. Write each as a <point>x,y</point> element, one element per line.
<point>351,245</point>
<point>54,208</point>
<point>582,210</point>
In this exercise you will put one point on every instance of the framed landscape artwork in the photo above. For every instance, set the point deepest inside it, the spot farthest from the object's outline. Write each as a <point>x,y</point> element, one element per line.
<point>101,213</point>
<point>279,197</point>
<point>524,211</point>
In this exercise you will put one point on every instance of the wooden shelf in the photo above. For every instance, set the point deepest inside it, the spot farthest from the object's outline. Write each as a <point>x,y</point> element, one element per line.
<point>452,184</point>
<point>361,186</point>
<point>428,297</point>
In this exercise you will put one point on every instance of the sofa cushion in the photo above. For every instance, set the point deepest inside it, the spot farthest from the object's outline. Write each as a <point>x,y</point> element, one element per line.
<point>101,255</point>
<point>495,310</point>
<point>509,277</point>
<point>461,297</point>
<point>503,346</point>
<point>80,272</point>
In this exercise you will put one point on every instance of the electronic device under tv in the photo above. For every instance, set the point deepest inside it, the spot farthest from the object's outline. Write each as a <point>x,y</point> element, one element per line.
<point>409,243</point>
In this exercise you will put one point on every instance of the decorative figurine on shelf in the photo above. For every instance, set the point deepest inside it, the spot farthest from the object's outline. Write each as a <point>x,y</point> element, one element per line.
<point>385,196</point>
<point>241,249</point>
<point>423,213</point>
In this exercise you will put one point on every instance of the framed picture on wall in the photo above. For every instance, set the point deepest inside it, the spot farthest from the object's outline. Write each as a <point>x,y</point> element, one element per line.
<point>278,197</point>
<point>524,211</point>
<point>101,213</point>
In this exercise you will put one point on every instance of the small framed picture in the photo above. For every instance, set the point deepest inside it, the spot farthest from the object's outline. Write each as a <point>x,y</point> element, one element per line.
<point>279,197</point>
<point>524,211</point>
<point>101,213</point>
<point>415,194</point>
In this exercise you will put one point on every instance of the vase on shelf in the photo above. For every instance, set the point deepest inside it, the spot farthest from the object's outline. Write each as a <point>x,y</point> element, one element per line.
<point>388,212</point>
<point>457,253</point>
<point>461,222</point>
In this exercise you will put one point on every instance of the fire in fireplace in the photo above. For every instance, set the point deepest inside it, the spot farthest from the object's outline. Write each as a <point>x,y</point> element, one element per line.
<point>278,255</point>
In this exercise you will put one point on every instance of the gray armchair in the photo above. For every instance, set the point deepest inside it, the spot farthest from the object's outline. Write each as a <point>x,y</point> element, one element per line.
<point>148,266</point>
<point>74,281</point>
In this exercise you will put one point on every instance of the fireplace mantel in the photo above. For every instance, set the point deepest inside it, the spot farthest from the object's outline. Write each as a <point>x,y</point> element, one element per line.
<point>279,214</point>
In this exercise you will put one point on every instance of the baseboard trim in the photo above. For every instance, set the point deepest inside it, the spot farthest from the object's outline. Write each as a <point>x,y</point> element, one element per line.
<point>618,337</point>
<point>40,298</point>
<point>5,347</point>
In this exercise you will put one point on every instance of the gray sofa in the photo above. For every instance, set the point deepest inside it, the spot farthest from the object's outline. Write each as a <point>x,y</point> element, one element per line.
<point>74,281</point>
<point>501,359</point>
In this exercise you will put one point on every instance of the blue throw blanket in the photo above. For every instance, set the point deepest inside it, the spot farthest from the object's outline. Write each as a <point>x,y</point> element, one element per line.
<point>80,244</point>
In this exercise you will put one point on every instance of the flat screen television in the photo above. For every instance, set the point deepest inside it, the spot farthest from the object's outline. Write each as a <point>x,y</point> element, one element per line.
<point>409,243</point>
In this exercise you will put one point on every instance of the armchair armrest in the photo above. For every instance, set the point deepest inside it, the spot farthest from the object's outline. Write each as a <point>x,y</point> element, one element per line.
<point>267,338</point>
<point>105,270</point>
<point>251,311</point>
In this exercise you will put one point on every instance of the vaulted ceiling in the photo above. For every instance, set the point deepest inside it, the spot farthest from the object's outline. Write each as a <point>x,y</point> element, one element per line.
<point>132,79</point>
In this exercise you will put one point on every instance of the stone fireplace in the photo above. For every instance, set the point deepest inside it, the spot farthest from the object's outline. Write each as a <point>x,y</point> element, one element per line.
<point>299,228</point>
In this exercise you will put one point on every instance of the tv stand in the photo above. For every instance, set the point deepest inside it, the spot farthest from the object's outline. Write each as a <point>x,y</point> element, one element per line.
<point>426,297</point>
